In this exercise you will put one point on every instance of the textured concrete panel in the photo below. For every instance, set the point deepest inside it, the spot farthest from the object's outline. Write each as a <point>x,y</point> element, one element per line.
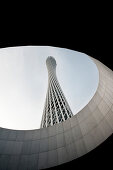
<point>60,140</point>
<point>104,108</point>
<point>13,162</point>
<point>28,135</point>
<point>98,135</point>
<point>32,162</point>
<point>52,158</point>
<point>98,116</point>
<point>68,137</point>
<point>13,147</point>
<point>88,124</point>
<point>43,162</point>
<point>23,163</point>
<point>52,143</point>
<point>62,155</point>
<point>105,128</point>
<point>92,105</point>
<point>26,148</point>
<point>4,159</point>
<point>80,147</point>
<point>83,114</point>
<point>44,145</point>
<point>2,146</point>
<point>35,146</point>
<point>28,162</point>
<point>109,118</point>
<point>71,150</point>
<point>76,132</point>
<point>89,141</point>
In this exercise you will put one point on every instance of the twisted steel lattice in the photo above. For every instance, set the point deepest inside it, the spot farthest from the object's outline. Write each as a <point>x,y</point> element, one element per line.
<point>56,107</point>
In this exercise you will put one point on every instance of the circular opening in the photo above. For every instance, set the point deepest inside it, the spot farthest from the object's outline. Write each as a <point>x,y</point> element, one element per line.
<point>24,82</point>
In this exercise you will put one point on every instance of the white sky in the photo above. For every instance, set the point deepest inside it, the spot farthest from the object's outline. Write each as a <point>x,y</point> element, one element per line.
<point>24,81</point>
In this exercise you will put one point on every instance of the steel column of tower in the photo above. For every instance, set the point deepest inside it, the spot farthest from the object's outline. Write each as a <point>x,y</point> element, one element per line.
<point>56,107</point>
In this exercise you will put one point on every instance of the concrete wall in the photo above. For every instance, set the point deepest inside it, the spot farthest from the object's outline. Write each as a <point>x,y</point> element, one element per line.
<point>52,146</point>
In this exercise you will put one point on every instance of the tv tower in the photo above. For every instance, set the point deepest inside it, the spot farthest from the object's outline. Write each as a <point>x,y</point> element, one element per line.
<point>56,107</point>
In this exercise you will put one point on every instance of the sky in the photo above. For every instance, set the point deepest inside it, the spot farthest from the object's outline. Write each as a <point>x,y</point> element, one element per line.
<point>24,82</point>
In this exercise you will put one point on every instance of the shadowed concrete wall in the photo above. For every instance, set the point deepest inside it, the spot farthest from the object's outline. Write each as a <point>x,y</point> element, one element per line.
<point>63,142</point>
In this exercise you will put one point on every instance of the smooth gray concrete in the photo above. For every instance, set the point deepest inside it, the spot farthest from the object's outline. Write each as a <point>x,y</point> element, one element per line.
<point>63,142</point>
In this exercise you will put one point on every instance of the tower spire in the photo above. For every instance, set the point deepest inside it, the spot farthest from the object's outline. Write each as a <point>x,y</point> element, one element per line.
<point>56,107</point>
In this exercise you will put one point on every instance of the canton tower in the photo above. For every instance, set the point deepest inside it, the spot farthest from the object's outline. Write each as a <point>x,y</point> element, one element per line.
<point>56,107</point>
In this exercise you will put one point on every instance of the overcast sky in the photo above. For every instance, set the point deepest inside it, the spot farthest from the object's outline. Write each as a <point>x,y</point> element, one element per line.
<point>24,81</point>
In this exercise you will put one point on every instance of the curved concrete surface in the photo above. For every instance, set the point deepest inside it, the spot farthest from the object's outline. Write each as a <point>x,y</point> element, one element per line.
<point>61,143</point>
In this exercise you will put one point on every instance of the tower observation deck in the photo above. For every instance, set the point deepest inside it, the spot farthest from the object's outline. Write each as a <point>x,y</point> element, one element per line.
<point>56,107</point>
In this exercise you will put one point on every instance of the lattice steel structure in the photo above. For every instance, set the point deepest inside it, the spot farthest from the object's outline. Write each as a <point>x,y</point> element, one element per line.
<point>56,108</point>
